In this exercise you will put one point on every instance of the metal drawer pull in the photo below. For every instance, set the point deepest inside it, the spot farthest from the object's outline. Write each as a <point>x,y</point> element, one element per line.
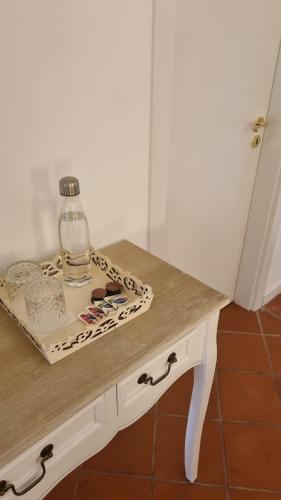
<point>145,379</point>
<point>45,454</point>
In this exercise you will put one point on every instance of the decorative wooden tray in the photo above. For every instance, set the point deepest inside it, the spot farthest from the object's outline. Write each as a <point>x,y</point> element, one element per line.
<point>57,344</point>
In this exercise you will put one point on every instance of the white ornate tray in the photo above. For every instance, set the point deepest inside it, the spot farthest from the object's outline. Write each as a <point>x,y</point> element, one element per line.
<point>57,344</point>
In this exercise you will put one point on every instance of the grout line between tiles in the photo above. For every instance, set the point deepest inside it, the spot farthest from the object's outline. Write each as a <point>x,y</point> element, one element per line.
<point>226,420</point>
<point>222,443</point>
<point>268,355</point>
<point>239,332</point>
<point>250,422</point>
<point>265,344</point>
<point>76,486</point>
<point>254,490</point>
<point>181,415</point>
<point>275,315</point>
<point>197,483</point>
<point>209,485</point>
<point>244,372</point>
<point>249,333</point>
<point>185,481</point>
<point>176,481</point>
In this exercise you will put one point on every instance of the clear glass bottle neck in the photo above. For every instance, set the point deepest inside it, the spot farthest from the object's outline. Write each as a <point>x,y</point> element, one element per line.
<point>71,204</point>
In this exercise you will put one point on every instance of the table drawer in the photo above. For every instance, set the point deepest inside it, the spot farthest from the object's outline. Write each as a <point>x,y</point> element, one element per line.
<point>26,467</point>
<point>132,392</point>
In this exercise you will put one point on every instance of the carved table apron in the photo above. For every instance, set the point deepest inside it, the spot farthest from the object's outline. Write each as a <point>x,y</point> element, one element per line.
<point>80,403</point>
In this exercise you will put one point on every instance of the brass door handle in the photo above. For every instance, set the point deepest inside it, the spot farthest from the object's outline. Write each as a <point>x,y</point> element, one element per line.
<point>260,122</point>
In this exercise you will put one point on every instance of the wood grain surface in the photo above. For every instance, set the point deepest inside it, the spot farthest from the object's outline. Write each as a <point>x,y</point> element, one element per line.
<point>37,397</point>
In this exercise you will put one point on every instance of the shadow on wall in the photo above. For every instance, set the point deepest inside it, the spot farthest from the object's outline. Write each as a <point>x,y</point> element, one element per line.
<point>6,260</point>
<point>45,206</point>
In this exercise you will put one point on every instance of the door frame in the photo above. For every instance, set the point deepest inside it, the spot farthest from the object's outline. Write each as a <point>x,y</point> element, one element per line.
<point>265,211</point>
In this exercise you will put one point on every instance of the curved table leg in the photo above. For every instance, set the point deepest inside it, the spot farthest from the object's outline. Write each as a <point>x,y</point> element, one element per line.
<point>203,379</point>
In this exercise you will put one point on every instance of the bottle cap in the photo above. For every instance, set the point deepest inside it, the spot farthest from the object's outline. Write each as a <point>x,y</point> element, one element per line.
<point>69,186</point>
<point>98,294</point>
<point>113,288</point>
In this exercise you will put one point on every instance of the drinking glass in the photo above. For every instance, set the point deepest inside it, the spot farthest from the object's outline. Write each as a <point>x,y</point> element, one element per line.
<point>45,304</point>
<point>17,275</point>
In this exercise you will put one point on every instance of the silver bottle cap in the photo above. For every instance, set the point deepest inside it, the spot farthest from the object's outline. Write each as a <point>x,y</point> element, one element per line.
<point>69,186</point>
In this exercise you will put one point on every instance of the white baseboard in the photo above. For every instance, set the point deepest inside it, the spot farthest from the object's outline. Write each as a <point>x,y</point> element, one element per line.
<point>271,292</point>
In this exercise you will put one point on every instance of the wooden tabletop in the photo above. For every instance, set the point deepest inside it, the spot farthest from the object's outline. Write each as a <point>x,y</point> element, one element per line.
<point>37,397</point>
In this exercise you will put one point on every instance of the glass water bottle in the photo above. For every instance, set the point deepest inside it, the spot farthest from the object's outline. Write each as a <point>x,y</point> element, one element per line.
<point>74,235</point>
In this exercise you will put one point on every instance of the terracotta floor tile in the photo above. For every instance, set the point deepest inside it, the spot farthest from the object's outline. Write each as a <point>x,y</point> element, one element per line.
<point>65,488</point>
<point>242,352</point>
<point>274,305</point>
<point>274,345</point>
<point>236,319</point>
<point>253,455</point>
<point>270,323</point>
<point>252,398</point>
<point>129,452</point>
<point>278,383</point>
<point>169,461</point>
<point>173,491</point>
<point>176,399</point>
<point>107,487</point>
<point>252,495</point>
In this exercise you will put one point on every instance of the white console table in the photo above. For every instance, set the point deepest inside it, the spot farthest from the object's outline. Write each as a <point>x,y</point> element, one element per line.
<point>78,404</point>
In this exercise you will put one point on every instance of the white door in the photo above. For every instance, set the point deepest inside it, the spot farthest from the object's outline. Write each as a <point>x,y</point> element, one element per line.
<point>213,70</point>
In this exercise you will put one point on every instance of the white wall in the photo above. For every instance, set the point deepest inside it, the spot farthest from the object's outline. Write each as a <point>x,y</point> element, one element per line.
<point>74,99</point>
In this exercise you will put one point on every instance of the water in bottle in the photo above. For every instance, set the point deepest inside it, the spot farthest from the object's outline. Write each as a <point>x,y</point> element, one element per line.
<point>74,235</point>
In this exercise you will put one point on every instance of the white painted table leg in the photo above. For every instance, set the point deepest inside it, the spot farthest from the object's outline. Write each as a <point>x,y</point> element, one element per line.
<point>203,379</point>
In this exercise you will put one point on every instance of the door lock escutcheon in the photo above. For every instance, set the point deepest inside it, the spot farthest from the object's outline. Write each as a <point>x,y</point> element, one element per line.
<point>256,141</point>
<point>259,123</point>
